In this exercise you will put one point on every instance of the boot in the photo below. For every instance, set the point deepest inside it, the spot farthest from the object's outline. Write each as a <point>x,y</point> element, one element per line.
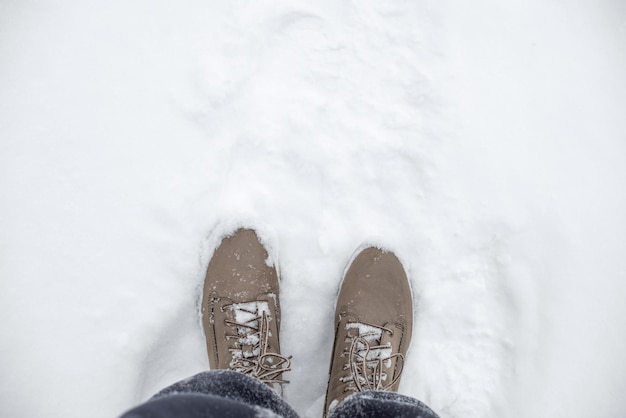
<point>373,326</point>
<point>241,310</point>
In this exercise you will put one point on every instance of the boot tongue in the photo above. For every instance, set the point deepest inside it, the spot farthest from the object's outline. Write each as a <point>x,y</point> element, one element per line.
<point>375,336</point>
<point>365,346</point>
<point>251,347</point>
<point>246,318</point>
<point>375,347</point>
<point>246,312</point>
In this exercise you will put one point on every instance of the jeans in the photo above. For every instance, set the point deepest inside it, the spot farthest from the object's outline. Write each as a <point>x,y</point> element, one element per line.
<point>224,393</point>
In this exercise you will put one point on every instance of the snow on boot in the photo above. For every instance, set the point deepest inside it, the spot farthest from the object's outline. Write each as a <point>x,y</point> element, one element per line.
<point>373,326</point>
<point>241,310</point>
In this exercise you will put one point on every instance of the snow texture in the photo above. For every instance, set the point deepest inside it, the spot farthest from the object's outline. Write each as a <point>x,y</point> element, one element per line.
<point>482,142</point>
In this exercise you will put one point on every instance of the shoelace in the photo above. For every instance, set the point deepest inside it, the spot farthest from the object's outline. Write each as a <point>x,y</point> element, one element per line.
<point>250,352</point>
<point>369,360</point>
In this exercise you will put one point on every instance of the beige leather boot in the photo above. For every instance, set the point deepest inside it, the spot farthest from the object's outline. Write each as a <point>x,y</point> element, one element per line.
<point>373,325</point>
<point>241,310</point>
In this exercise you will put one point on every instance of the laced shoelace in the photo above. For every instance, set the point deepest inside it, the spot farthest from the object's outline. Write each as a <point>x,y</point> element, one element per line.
<point>369,361</point>
<point>250,351</point>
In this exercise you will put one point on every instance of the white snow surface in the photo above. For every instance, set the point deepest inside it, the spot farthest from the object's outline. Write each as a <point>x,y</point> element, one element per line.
<point>483,142</point>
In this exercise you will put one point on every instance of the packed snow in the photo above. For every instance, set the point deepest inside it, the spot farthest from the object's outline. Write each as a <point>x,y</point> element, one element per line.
<point>483,142</point>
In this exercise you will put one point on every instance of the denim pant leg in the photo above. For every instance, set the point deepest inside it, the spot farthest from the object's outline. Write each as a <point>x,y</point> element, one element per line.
<point>219,393</point>
<point>377,404</point>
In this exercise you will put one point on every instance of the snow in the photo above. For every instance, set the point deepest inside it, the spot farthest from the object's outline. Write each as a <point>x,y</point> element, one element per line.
<point>483,143</point>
